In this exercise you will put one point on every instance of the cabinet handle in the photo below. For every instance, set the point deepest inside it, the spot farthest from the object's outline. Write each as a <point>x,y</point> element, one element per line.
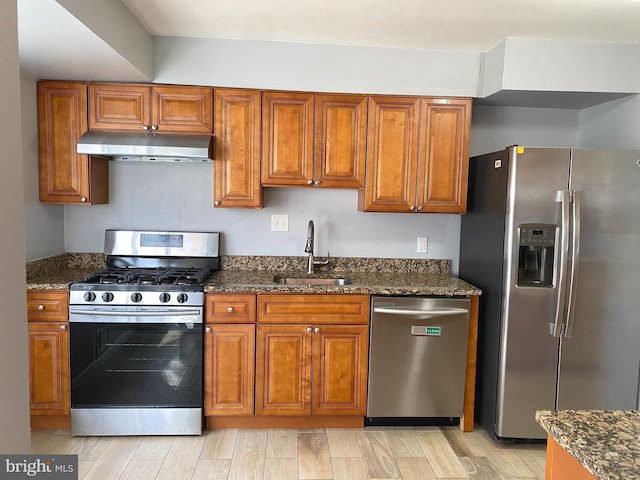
<point>309,182</point>
<point>316,182</point>
<point>207,329</point>
<point>217,203</point>
<point>230,309</point>
<point>317,329</point>
<point>63,327</point>
<point>412,207</point>
<point>83,199</point>
<point>145,127</point>
<point>40,307</point>
<point>154,128</point>
<point>309,329</point>
<point>419,208</point>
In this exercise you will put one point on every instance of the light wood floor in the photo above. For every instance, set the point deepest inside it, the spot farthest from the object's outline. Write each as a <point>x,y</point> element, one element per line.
<point>372,453</point>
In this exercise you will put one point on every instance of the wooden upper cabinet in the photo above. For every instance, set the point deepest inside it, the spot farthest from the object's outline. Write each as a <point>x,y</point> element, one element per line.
<point>313,139</point>
<point>237,148</point>
<point>126,107</point>
<point>67,177</point>
<point>417,155</point>
<point>287,138</point>
<point>340,142</point>
<point>392,162</point>
<point>444,163</point>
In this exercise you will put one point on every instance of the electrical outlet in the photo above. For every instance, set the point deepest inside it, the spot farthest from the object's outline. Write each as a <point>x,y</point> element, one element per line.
<point>422,245</point>
<point>279,223</point>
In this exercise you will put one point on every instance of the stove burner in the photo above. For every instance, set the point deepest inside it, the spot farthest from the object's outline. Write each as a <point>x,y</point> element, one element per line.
<point>150,276</point>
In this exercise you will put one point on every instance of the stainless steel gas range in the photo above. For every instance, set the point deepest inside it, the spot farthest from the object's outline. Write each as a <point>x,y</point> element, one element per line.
<point>136,335</point>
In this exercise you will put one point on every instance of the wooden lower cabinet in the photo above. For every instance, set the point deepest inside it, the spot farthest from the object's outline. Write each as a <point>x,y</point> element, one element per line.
<point>49,368</point>
<point>229,369</point>
<point>561,465</point>
<point>319,370</point>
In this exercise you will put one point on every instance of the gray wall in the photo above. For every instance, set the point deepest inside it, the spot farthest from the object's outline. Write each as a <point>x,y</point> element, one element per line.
<point>14,393</point>
<point>611,125</point>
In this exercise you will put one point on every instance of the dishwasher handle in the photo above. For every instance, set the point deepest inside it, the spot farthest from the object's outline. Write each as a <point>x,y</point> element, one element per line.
<point>410,311</point>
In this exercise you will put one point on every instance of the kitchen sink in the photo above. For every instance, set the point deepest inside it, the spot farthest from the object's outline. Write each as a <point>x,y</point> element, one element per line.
<point>282,280</point>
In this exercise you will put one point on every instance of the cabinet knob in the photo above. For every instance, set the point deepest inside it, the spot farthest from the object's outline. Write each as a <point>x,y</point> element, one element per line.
<point>412,207</point>
<point>316,182</point>
<point>83,199</point>
<point>154,128</point>
<point>40,307</point>
<point>217,203</point>
<point>145,127</point>
<point>420,208</point>
<point>63,327</point>
<point>207,329</point>
<point>230,309</point>
<point>317,329</point>
<point>309,329</point>
<point>309,182</point>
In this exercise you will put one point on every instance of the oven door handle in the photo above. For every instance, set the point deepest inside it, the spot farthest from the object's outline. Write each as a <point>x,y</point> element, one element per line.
<point>86,315</point>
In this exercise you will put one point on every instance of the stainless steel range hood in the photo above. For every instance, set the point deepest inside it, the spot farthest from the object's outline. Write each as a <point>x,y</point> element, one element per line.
<point>147,147</point>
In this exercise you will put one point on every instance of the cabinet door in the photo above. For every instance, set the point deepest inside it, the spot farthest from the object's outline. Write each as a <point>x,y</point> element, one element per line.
<point>392,155</point>
<point>66,177</point>
<point>283,365</point>
<point>181,109</point>
<point>287,138</point>
<point>49,368</point>
<point>444,155</point>
<point>340,369</point>
<point>237,155</point>
<point>229,369</point>
<point>340,144</point>
<point>119,107</point>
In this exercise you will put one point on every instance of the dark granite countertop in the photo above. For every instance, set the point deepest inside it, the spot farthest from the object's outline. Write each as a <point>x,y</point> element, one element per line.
<point>374,283</point>
<point>605,442</point>
<point>376,276</point>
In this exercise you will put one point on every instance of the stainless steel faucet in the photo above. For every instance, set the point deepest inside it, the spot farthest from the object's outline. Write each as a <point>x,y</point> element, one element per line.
<point>309,249</point>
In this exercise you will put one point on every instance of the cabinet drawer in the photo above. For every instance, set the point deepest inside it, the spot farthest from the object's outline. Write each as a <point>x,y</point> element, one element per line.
<point>324,309</point>
<point>230,308</point>
<point>47,305</point>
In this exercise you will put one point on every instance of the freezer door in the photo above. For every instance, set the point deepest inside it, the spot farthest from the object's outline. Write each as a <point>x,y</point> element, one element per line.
<point>600,361</point>
<point>527,369</point>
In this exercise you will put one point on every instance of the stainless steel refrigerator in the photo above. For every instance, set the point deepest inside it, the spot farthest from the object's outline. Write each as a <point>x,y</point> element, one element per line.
<point>552,236</point>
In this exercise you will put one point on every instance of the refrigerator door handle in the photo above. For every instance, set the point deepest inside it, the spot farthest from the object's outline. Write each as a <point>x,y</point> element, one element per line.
<point>563,198</point>
<point>575,253</point>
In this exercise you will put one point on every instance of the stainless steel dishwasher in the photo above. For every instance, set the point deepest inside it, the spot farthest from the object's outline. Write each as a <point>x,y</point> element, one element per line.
<point>417,356</point>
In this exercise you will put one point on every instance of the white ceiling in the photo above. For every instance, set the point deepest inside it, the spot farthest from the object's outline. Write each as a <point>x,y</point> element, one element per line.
<point>474,25</point>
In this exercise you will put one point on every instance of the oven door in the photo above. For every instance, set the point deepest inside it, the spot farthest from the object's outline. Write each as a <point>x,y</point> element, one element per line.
<point>135,365</point>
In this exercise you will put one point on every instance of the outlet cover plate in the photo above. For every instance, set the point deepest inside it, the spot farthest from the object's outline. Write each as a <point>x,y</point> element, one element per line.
<point>422,245</point>
<point>279,223</point>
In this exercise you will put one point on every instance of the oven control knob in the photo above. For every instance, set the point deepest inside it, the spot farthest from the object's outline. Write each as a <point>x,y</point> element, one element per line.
<point>136,297</point>
<point>107,296</point>
<point>182,297</point>
<point>89,296</point>
<point>165,297</point>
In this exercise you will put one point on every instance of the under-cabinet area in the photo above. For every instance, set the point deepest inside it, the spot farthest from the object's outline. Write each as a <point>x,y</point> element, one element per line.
<point>402,153</point>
